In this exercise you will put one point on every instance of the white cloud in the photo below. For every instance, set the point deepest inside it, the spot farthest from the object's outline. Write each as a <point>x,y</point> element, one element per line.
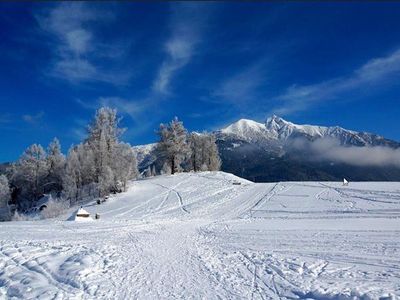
<point>78,53</point>
<point>79,41</point>
<point>241,87</point>
<point>331,150</point>
<point>33,119</point>
<point>134,109</point>
<point>374,72</point>
<point>186,23</point>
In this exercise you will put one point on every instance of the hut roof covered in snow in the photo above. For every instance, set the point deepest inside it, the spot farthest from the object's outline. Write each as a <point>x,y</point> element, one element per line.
<point>82,215</point>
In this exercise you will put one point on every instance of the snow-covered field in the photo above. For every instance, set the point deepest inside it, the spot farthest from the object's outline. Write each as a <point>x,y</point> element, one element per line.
<point>200,236</point>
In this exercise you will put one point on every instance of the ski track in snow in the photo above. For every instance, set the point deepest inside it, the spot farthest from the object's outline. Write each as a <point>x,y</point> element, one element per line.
<point>200,236</point>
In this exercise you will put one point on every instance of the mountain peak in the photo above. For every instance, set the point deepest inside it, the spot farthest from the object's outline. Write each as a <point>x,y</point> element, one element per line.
<point>244,128</point>
<point>275,122</point>
<point>242,125</point>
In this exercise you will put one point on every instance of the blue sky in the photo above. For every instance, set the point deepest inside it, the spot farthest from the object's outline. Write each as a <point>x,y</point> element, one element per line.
<point>208,63</point>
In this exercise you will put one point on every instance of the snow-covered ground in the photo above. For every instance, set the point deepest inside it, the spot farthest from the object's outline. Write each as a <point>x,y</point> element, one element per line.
<point>203,236</point>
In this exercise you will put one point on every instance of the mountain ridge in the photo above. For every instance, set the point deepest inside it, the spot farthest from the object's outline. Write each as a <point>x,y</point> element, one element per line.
<point>277,129</point>
<point>279,150</point>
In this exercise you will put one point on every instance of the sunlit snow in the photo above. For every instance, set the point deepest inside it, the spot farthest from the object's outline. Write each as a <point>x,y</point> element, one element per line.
<point>213,235</point>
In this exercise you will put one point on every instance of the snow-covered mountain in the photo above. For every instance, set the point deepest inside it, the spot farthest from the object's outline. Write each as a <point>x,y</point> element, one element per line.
<point>281,150</point>
<point>268,152</point>
<point>278,131</point>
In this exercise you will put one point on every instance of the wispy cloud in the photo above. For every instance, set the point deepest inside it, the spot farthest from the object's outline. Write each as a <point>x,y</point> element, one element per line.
<point>186,24</point>
<point>78,131</point>
<point>134,109</point>
<point>77,51</point>
<point>242,87</point>
<point>371,74</point>
<point>33,118</point>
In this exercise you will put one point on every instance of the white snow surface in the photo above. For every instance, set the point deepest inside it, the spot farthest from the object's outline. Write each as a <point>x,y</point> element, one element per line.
<point>199,236</point>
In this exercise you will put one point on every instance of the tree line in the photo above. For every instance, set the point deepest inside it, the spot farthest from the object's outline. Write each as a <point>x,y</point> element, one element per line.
<point>101,164</point>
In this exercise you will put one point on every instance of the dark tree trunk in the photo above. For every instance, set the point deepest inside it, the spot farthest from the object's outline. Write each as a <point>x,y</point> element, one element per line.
<point>194,163</point>
<point>173,165</point>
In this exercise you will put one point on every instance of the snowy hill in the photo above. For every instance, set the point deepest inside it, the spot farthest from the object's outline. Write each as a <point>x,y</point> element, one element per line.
<point>213,235</point>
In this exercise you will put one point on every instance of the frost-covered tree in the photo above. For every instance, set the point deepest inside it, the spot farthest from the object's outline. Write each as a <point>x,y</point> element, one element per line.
<point>173,147</point>
<point>72,180</point>
<point>166,169</point>
<point>212,159</point>
<point>153,170</point>
<point>106,181</point>
<point>5,193</point>
<point>101,164</point>
<point>87,167</point>
<point>55,163</point>
<point>103,136</point>
<point>196,153</point>
<point>30,172</point>
<point>124,165</point>
<point>204,153</point>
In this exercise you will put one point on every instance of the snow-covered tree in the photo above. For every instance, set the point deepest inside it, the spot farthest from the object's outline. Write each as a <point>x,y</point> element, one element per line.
<point>55,163</point>
<point>87,167</point>
<point>196,155</point>
<point>204,153</point>
<point>101,164</point>
<point>106,181</point>
<point>166,169</point>
<point>103,136</point>
<point>173,147</point>
<point>124,165</point>
<point>213,159</point>
<point>72,177</point>
<point>30,172</point>
<point>5,193</point>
